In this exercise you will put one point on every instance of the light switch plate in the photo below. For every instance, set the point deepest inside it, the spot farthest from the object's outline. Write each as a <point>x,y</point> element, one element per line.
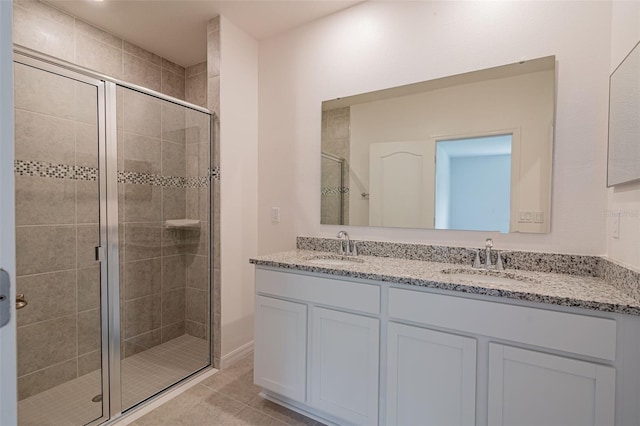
<point>275,214</point>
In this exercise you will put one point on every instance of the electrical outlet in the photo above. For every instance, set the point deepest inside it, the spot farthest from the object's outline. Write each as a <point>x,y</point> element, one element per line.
<point>615,225</point>
<point>525,217</point>
<point>275,214</point>
<point>538,217</point>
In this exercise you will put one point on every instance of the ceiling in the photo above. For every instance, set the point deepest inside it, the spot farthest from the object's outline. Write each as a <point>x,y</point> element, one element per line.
<point>176,29</point>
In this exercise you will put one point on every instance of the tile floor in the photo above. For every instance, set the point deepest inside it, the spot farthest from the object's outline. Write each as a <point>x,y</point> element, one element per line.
<point>143,375</point>
<point>228,398</point>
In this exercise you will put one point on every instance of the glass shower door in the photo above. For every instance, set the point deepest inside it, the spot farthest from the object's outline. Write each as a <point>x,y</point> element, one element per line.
<point>59,137</point>
<point>163,186</point>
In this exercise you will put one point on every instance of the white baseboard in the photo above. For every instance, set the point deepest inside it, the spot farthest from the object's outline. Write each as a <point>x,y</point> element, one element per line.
<point>233,356</point>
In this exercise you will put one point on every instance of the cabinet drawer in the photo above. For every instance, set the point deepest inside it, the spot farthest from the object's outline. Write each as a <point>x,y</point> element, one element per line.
<point>326,291</point>
<point>574,333</point>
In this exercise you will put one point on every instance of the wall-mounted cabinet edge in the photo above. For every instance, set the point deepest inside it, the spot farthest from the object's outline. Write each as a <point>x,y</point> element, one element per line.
<point>382,353</point>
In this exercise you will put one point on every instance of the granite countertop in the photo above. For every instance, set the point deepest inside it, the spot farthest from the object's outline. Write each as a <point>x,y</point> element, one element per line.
<point>557,289</point>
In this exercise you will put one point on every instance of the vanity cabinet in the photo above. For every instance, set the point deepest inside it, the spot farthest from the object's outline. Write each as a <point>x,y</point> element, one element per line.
<point>367,352</point>
<point>531,388</point>
<point>280,347</point>
<point>344,365</point>
<point>431,377</point>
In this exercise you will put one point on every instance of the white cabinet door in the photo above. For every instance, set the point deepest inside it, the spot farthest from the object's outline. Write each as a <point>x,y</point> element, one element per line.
<point>344,365</point>
<point>533,388</point>
<point>281,347</point>
<point>431,377</point>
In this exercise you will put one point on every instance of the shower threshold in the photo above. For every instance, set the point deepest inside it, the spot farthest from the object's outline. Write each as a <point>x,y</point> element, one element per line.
<point>143,375</point>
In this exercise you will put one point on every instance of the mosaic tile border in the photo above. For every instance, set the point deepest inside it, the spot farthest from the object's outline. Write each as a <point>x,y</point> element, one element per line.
<point>334,190</point>
<point>65,171</point>
<point>590,266</point>
<point>214,173</point>
<point>55,171</point>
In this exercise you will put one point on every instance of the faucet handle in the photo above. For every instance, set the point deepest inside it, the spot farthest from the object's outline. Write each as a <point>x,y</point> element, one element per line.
<point>354,249</point>
<point>500,262</point>
<point>488,243</point>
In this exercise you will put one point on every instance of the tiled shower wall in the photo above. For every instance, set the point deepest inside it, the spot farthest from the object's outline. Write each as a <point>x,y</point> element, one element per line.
<point>168,263</point>
<point>57,229</point>
<point>163,172</point>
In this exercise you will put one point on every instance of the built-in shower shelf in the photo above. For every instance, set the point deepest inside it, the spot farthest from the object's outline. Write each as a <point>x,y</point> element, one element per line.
<point>182,223</point>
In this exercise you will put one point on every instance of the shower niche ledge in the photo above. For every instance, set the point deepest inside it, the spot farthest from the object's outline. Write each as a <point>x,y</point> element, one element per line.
<point>182,223</point>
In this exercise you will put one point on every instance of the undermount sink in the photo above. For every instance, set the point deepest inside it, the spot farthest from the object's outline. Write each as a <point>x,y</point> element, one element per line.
<point>333,260</point>
<point>488,276</point>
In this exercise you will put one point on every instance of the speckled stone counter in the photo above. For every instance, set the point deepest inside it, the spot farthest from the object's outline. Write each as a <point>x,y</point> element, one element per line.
<point>583,291</point>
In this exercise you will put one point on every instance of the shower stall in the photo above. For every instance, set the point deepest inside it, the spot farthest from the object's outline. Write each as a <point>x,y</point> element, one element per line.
<point>113,246</point>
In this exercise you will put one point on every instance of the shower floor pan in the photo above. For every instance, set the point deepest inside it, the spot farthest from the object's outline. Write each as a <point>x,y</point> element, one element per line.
<point>143,374</point>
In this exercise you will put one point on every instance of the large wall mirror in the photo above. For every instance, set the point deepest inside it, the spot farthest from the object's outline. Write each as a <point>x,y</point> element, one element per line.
<point>468,152</point>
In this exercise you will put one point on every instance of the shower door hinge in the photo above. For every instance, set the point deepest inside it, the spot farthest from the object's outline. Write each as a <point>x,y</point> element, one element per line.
<point>100,253</point>
<point>5,297</point>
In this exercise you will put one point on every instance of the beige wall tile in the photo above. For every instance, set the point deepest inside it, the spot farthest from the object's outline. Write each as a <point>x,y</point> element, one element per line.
<point>196,305</point>
<point>98,34</point>
<point>46,343</point>
<point>48,296</point>
<point>89,331</point>
<point>98,56</point>
<point>196,69</point>
<point>173,123</point>
<point>142,203</point>
<point>142,315</point>
<point>141,114</point>
<point>173,306</point>
<point>213,54</point>
<point>45,201</point>
<point>142,240</point>
<point>195,329</point>
<point>174,203</point>
<point>32,130</point>
<point>197,272</point>
<point>86,101</point>
<point>213,97</point>
<point>172,84</point>
<point>142,342</point>
<point>41,380</point>
<point>172,331</point>
<point>34,25</point>
<point>197,124</point>
<point>87,201</point>
<point>142,278</point>
<point>89,362</point>
<point>173,159</point>
<point>204,204</point>
<point>173,241</point>
<point>88,288</point>
<point>141,153</point>
<point>142,53</point>
<point>173,67</point>
<point>87,148</point>
<point>42,249</point>
<point>196,89</point>
<point>44,92</point>
<point>88,240</point>
<point>173,272</point>
<point>192,202</point>
<point>142,72</point>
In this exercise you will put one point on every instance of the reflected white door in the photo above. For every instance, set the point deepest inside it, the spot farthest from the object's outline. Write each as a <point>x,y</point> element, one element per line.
<point>401,184</point>
<point>8,374</point>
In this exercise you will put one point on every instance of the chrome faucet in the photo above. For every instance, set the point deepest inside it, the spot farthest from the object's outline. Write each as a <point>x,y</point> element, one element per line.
<point>347,247</point>
<point>488,244</point>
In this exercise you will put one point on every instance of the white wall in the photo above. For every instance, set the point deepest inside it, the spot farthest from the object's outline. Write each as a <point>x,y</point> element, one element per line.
<point>376,45</point>
<point>624,199</point>
<point>239,185</point>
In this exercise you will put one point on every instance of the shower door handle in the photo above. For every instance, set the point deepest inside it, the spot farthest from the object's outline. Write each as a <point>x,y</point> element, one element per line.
<point>5,298</point>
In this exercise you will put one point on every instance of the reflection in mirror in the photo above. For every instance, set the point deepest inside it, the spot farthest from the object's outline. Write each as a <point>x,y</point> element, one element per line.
<point>435,154</point>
